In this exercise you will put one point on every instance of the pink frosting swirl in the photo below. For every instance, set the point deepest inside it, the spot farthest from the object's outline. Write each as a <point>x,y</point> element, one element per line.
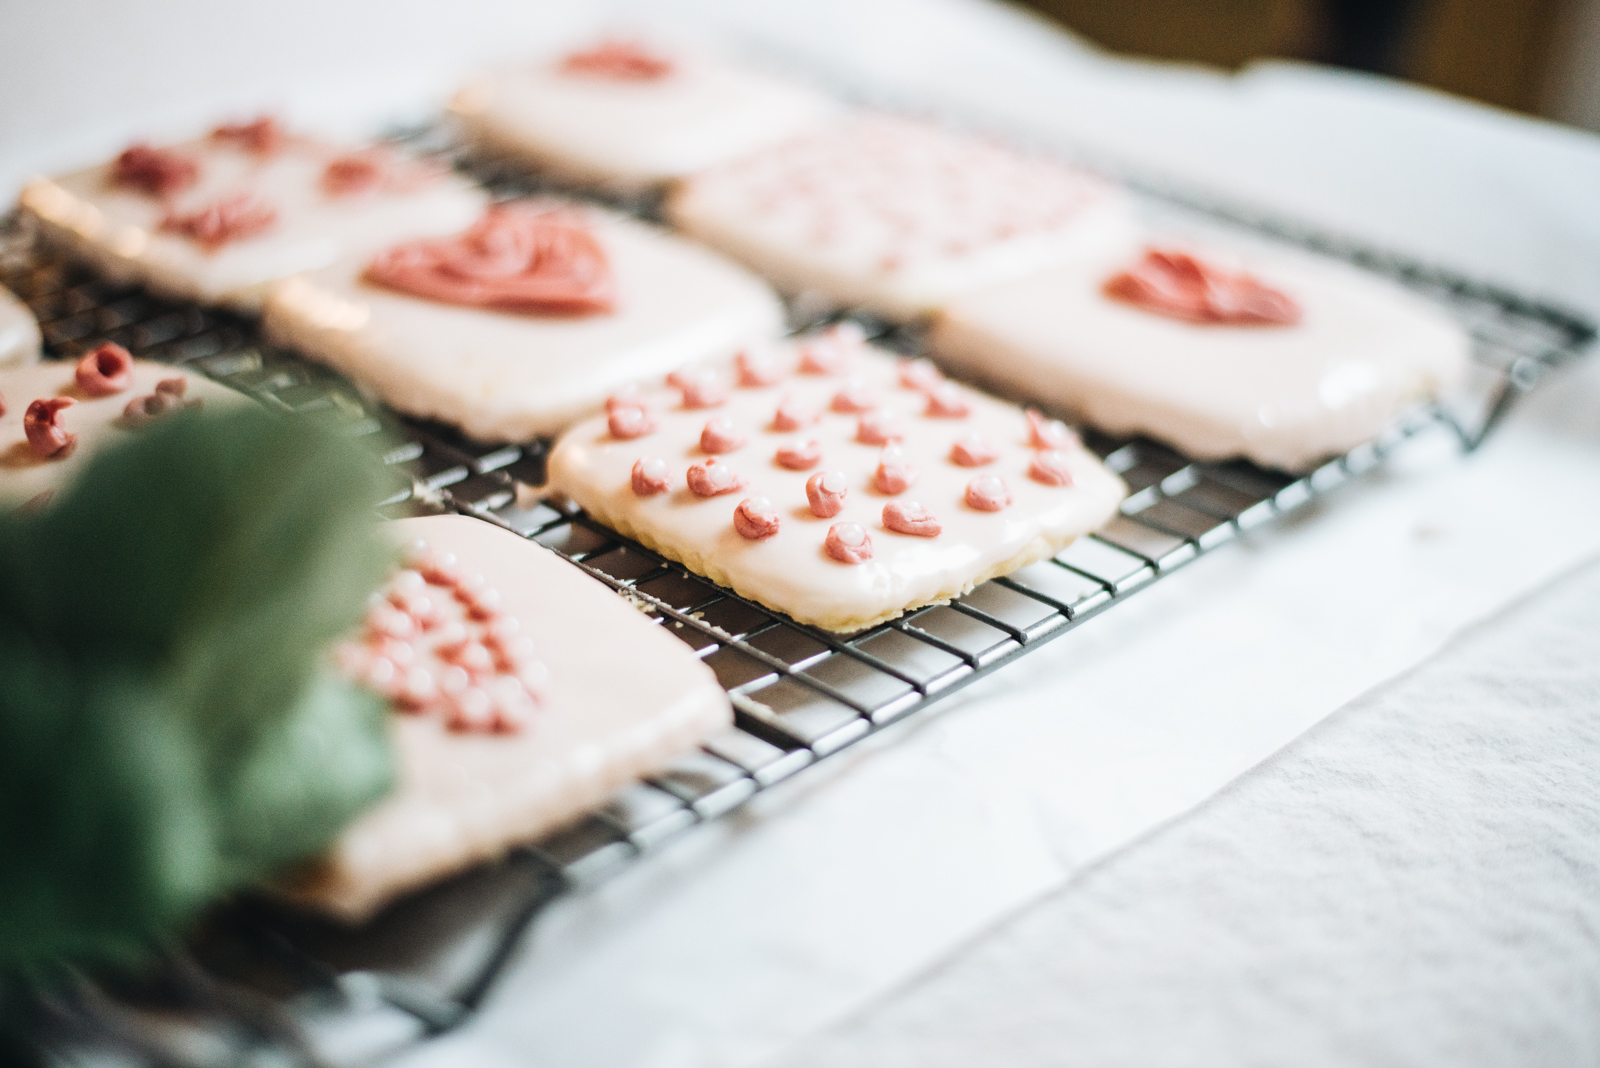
<point>988,493</point>
<point>755,518</point>
<point>799,455</point>
<point>826,491</point>
<point>650,476</point>
<point>971,450</point>
<point>713,478</point>
<point>223,221</point>
<point>106,370</point>
<point>42,425</point>
<point>895,474</point>
<point>512,259</point>
<point>719,436</point>
<point>848,543</point>
<point>1049,467</point>
<point>1179,286</point>
<point>909,517</point>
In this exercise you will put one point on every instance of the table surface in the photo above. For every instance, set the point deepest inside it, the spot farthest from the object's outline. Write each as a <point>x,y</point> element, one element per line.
<point>821,906</point>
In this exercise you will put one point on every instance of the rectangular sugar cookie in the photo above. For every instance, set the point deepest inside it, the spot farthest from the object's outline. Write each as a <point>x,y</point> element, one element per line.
<point>1274,357</point>
<point>550,694</point>
<point>628,115</point>
<point>831,482</point>
<point>898,217</point>
<point>217,219</point>
<point>635,303</point>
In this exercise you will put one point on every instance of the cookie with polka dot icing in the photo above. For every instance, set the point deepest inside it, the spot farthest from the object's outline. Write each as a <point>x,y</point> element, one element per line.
<point>510,716</point>
<point>831,481</point>
<point>629,114</point>
<point>896,216</point>
<point>219,219</point>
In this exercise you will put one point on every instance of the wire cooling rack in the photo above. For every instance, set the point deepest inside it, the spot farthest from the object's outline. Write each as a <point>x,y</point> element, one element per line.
<point>259,984</point>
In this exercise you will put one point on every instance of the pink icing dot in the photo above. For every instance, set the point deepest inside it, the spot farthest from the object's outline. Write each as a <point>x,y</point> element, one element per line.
<point>828,352</point>
<point>471,710</point>
<point>472,656</point>
<point>920,375</point>
<point>383,677</point>
<point>441,569</point>
<point>397,651</point>
<point>799,455</point>
<point>452,633</point>
<point>848,543</point>
<point>385,621</point>
<point>1049,466</point>
<point>630,421</point>
<point>878,427</point>
<point>826,491</point>
<point>854,397</point>
<point>650,476</point>
<point>909,517</point>
<point>895,474</point>
<point>703,389</point>
<point>626,397</point>
<point>453,680</point>
<point>1046,433</point>
<point>484,604</point>
<point>947,402</point>
<point>973,451</point>
<point>719,436</point>
<point>758,369</point>
<point>792,414</point>
<point>46,436</point>
<point>514,706</point>
<point>988,493</point>
<point>755,518</point>
<point>512,652</point>
<point>106,370</point>
<point>417,690</point>
<point>713,478</point>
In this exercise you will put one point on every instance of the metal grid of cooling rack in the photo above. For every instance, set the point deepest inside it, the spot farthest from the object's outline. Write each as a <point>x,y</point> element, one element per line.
<point>258,984</point>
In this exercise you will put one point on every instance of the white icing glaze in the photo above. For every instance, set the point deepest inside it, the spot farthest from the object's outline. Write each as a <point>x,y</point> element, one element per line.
<point>897,216</point>
<point>19,332</point>
<point>96,420</point>
<point>503,376</point>
<point>118,229</point>
<point>790,571</point>
<point>1281,396</point>
<point>631,134</point>
<point>465,798</point>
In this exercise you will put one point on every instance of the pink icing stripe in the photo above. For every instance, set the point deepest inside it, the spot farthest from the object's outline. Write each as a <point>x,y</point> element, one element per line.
<point>105,371</point>
<point>755,518</point>
<point>512,259</point>
<point>712,479</point>
<point>42,425</point>
<point>848,543</point>
<point>909,517</point>
<point>826,491</point>
<point>1179,286</point>
<point>799,456</point>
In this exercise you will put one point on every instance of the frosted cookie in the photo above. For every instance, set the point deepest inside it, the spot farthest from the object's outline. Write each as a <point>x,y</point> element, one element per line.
<point>19,332</point>
<point>216,220</point>
<point>898,217</point>
<point>55,415</point>
<point>525,694</point>
<point>525,322</point>
<point>831,482</point>
<point>629,115</point>
<point>1274,357</point>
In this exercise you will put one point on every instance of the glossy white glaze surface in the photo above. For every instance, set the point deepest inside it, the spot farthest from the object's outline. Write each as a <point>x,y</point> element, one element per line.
<point>897,216</point>
<point>791,571</point>
<point>97,421</point>
<point>118,230</point>
<point>19,332</point>
<point>505,376</point>
<point>1283,396</point>
<point>464,798</point>
<point>630,134</point>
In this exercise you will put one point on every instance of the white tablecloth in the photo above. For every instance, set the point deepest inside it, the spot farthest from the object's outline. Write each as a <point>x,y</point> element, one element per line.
<point>754,936</point>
